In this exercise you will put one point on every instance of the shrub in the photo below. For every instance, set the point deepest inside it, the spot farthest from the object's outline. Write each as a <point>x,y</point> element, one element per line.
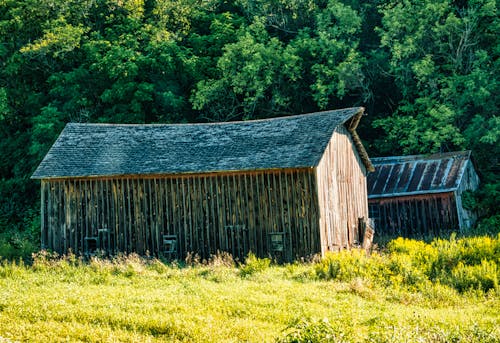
<point>16,247</point>
<point>482,277</point>
<point>305,331</point>
<point>463,264</point>
<point>345,265</point>
<point>254,265</point>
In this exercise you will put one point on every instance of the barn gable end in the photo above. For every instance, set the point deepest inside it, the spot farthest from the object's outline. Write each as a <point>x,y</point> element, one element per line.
<point>173,189</point>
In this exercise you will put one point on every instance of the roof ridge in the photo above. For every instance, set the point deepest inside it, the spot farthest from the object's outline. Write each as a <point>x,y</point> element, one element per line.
<point>433,156</point>
<point>290,117</point>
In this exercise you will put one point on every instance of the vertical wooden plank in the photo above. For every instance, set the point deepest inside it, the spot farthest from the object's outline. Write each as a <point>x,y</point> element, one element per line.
<point>127,234</point>
<point>61,228</point>
<point>51,213</point>
<point>205,196</point>
<point>43,213</point>
<point>177,205</point>
<point>189,212</point>
<point>133,241</point>
<point>214,227</point>
<point>74,215</point>
<point>145,215</point>
<point>279,199</point>
<point>151,219</point>
<point>301,194</point>
<point>225,211</point>
<point>81,215</point>
<point>220,212</point>
<point>249,214</point>
<point>314,221</point>
<point>289,208</point>
<point>185,228</point>
<point>67,216</point>
<point>112,194</point>
<point>119,227</point>
<point>259,182</point>
<point>115,211</point>
<point>270,212</point>
<point>100,214</point>
<point>157,199</point>
<point>93,208</point>
<point>136,208</point>
<point>85,214</point>
<point>198,209</point>
<point>230,200</point>
<point>193,215</point>
<point>109,215</point>
<point>115,193</point>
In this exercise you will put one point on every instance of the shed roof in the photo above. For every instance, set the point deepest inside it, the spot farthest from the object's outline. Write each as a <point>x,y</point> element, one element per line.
<point>86,150</point>
<point>416,174</point>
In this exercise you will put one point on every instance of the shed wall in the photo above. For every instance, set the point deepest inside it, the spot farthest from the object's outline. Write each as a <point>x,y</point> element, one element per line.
<point>414,216</point>
<point>233,212</point>
<point>468,182</point>
<point>342,192</point>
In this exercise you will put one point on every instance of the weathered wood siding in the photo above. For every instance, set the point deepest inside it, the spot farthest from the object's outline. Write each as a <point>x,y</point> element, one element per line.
<point>469,182</point>
<point>342,192</point>
<point>414,216</point>
<point>234,212</point>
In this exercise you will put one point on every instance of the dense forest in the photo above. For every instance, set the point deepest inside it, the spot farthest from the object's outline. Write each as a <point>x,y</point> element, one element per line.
<point>427,71</point>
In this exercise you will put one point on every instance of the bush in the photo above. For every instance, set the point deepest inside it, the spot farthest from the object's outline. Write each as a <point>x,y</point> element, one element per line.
<point>15,246</point>
<point>347,265</point>
<point>483,277</point>
<point>463,264</point>
<point>304,331</point>
<point>254,265</point>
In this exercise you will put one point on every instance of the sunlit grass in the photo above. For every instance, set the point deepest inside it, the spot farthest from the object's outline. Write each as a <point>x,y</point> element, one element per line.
<point>131,299</point>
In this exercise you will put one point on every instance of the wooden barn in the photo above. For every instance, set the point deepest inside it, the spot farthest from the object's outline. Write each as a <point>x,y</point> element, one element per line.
<point>420,195</point>
<point>284,187</point>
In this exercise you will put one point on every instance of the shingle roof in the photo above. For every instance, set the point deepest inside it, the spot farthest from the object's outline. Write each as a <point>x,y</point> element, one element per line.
<point>416,174</point>
<point>84,150</point>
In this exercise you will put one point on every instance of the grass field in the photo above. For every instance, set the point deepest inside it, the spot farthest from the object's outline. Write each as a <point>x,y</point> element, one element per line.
<point>397,296</point>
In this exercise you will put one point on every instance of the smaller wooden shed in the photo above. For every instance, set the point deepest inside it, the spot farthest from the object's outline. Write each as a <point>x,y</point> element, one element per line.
<point>421,195</point>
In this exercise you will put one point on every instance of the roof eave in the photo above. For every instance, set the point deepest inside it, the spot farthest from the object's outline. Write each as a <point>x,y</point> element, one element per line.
<point>172,174</point>
<point>351,127</point>
<point>396,195</point>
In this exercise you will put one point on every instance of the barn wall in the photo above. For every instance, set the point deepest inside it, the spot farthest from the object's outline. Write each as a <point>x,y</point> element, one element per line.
<point>207,213</point>
<point>342,192</point>
<point>414,216</point>
<point>468,182</point>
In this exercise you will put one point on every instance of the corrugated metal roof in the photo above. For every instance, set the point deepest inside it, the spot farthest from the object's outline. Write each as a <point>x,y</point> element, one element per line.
<point>84,150</point>
<point>416,174</point>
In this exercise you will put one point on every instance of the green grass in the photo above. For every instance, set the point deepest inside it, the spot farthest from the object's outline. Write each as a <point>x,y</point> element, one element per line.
<point>396,296</point>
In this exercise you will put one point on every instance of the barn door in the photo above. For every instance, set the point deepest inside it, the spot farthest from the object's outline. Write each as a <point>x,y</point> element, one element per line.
<point>237,241</point>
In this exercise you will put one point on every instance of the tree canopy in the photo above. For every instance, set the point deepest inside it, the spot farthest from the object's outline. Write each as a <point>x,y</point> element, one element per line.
<point>427,71</point>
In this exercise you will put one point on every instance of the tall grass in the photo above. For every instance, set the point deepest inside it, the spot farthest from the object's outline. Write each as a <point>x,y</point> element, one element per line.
<point>443,291</point>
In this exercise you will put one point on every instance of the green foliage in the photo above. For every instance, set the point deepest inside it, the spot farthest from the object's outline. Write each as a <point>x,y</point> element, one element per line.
<point>426,71</point>
<point>254,265</point>
<point>467,264</point>
<point>313,331</point>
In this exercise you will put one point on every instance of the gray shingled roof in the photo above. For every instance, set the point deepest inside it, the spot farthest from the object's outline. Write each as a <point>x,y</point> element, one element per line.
<point>416,174</point>
<point>84,150</point>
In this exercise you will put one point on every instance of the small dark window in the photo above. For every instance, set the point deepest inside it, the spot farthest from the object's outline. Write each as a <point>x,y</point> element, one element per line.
<point>277,241</point>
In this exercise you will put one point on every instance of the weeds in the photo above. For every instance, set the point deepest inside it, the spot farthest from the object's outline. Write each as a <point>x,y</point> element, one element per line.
<point>465,264</point>
<point>413,291</point>
<point>254,265</point>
